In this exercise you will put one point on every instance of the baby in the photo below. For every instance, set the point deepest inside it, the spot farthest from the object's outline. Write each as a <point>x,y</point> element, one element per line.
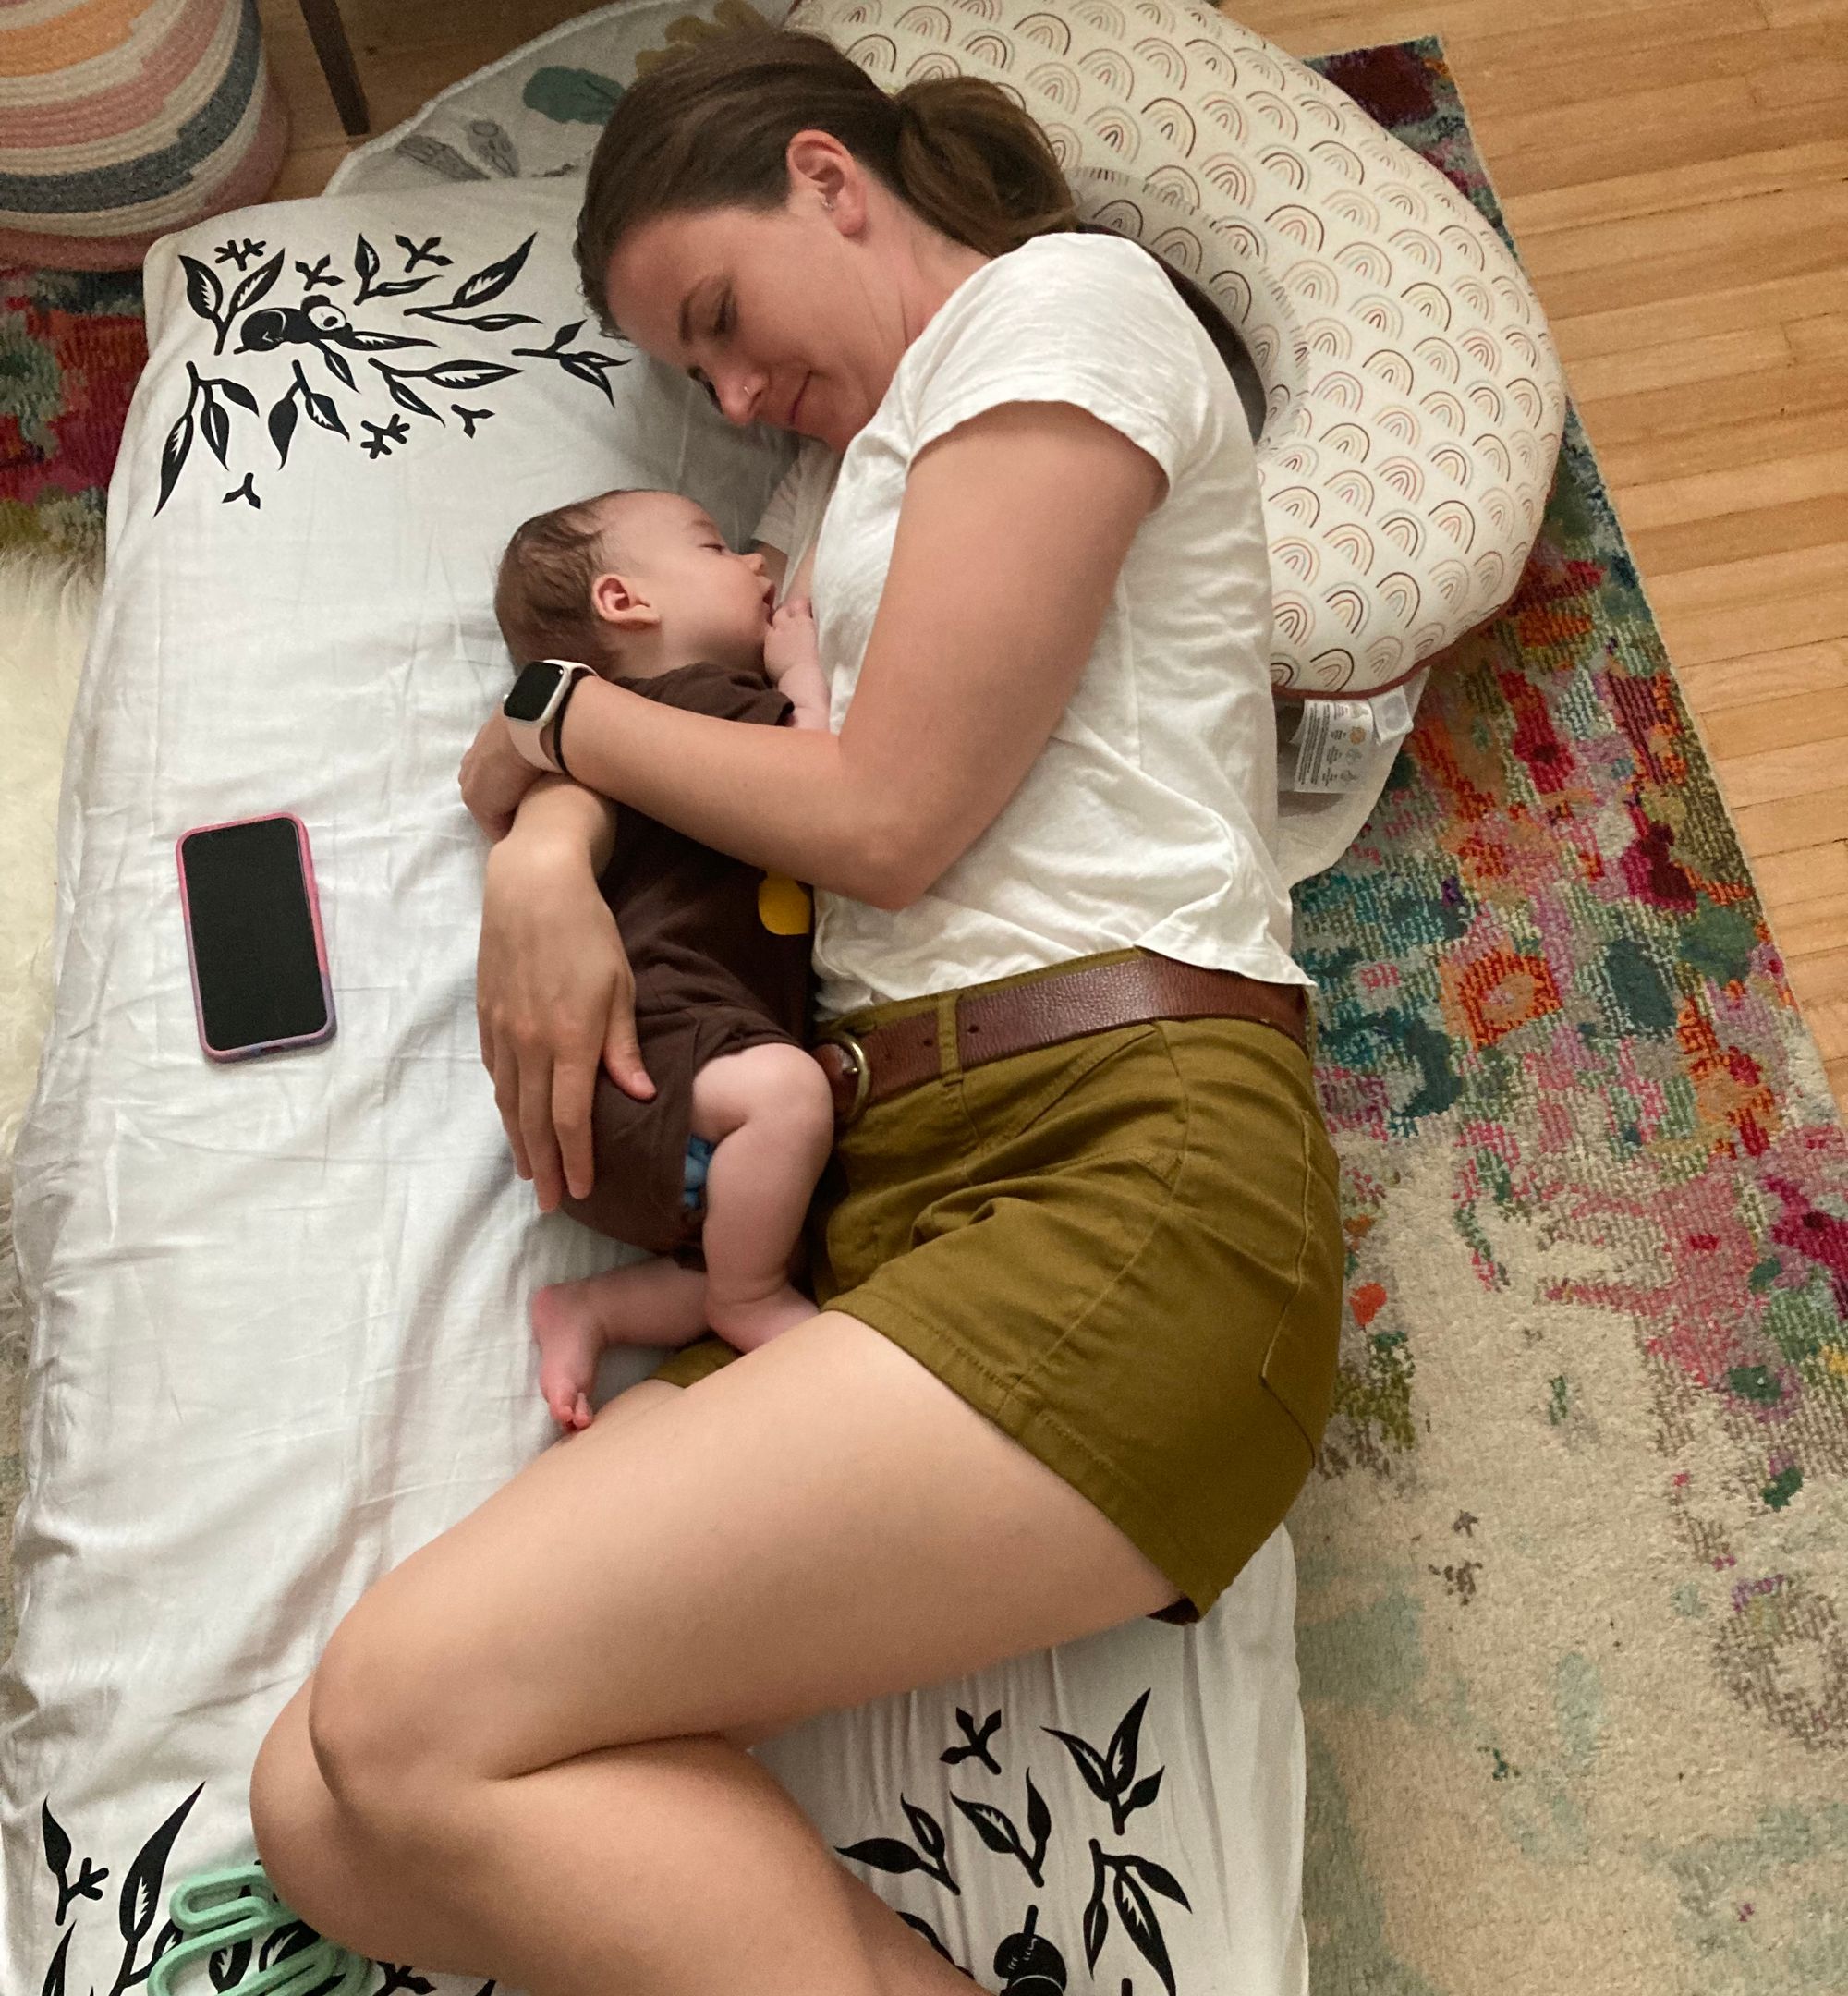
<point>723,1158</point>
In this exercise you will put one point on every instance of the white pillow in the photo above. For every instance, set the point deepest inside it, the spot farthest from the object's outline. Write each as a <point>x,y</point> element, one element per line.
<point>280,1334</point>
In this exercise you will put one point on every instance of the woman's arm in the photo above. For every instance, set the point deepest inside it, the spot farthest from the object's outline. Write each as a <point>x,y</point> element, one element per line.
<point>1010,538</point>
<point>568,818</point>
<point>555,998</point>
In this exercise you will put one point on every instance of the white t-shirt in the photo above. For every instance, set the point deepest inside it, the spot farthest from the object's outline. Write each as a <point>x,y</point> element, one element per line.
<point>1148,818</point>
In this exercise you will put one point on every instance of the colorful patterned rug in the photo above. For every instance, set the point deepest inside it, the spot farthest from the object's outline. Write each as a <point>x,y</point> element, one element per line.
<point>1573,1582</point>
<point>71,348</point>
<point>1573,1640</point>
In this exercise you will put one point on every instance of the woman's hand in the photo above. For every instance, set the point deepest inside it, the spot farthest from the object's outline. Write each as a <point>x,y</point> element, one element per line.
<point>494,776</point>
<point>554,997</point>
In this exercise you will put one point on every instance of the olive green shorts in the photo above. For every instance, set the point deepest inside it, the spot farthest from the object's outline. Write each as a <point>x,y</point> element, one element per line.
<point>1124,1249</point>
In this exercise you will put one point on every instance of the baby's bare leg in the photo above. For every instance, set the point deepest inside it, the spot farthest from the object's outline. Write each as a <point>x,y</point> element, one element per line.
<point>771,1115</point>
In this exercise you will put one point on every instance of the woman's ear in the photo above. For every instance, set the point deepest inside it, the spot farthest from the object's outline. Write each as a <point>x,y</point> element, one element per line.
<point>826,176</point>
<point>618,602</point>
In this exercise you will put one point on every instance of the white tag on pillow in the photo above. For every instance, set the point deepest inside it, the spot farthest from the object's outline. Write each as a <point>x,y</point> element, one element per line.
<point>1337,741</point>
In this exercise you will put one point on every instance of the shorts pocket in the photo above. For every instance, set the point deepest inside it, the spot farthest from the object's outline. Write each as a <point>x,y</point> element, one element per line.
<point>1103,1095</point>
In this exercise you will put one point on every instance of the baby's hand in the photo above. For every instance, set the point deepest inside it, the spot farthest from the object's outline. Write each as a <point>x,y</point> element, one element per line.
<point>790,641</point>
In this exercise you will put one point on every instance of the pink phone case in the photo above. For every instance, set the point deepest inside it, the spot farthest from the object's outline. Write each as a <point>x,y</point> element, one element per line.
<point>266,1046</point>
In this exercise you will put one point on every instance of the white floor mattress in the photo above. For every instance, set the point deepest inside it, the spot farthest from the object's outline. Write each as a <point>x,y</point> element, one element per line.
<point>280,1332</point>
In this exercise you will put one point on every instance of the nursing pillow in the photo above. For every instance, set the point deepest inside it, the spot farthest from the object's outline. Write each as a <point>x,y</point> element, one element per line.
<point>1414,403</point>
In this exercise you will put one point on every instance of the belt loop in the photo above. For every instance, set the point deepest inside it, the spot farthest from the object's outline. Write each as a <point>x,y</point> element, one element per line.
<point>949,1050</point>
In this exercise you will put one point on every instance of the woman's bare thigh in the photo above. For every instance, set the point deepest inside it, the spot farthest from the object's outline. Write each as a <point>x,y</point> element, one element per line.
<point>817,1524</point>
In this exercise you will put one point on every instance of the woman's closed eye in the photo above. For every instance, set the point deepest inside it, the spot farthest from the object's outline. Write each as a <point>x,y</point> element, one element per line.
<point>722,325</point>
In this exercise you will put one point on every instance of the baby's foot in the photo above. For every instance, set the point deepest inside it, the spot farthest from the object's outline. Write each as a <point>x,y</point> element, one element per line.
<point>570,1341</point>
<point>656,1302</point>
<point>749,1323</point>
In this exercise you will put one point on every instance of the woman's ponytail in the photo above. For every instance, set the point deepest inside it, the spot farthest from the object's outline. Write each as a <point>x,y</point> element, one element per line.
<point>976,167</point>
<point>710,128</point>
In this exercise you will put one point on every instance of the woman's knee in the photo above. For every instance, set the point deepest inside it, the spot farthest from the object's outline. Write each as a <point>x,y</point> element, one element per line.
<point>277,1787</point>
<point>319,1859</point>
<point>384,1742</point>
<point>289,1815</point>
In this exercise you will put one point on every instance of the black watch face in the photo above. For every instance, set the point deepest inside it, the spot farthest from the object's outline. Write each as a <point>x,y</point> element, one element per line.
<point>534,687</point>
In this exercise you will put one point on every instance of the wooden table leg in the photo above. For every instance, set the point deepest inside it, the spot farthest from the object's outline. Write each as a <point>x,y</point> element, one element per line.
<point>328,33</point>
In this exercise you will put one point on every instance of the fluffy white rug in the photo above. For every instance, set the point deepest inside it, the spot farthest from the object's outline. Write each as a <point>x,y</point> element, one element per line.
<point>47,604</point>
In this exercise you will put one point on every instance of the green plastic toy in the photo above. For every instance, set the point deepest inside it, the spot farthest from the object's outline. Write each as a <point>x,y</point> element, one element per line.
<point>218,1909</point>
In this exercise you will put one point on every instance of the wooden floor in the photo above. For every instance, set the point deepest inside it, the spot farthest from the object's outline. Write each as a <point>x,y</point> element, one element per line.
<point>1676,177</point>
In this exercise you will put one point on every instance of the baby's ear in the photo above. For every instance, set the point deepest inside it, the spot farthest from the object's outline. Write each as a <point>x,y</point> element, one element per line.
<point>616,601</point>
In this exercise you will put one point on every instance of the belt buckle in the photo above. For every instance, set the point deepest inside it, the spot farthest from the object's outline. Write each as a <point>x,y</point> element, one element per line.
<point>861,1068</point>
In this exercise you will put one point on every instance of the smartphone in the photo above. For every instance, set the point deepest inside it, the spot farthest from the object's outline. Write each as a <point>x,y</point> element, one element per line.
<point>253,936</point>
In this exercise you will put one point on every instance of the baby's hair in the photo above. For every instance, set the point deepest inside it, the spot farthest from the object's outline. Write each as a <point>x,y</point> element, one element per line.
<point>542,590</point>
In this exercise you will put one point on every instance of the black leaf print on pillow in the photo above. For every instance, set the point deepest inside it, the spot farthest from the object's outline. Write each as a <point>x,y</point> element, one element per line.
<point>584,363</point>
<point>887,1854</point>
<point>481,288</point>
<point>490,283</point>
<point>58,1855</point>
<point>282,426</point>
<point>284,1941</point>
<point>214,423</point>
<point>254,287</point>
<point>404,397</point>
<point>427,251</point>
<point>1133,1909</point>
<point>180,442</point>
<point>228,1967</point>
<point>322,411</point>
<point>999,1833</point>
<point>978,1738</point>
<point>87,1883</point>
<point>141,1894</point>
<point>204,291</point>
<point>380,437</point>
<point>458,376</point>
<point>366,263</point>
<point>1108,1779</point>
<point>360,341</point>
<point>320,408</point>
<point>216,427</point>
<point>495,322</point>
<point>931,1934</point>
<point>262,324</point>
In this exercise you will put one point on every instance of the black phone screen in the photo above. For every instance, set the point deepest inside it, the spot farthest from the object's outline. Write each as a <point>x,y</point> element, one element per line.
<point>252,932</point>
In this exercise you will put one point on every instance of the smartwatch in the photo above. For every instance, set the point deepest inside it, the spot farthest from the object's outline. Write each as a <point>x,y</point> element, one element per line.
<point>536,705</point>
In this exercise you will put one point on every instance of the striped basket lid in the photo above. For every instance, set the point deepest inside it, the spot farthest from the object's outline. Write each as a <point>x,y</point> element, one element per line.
<point>124,120</point>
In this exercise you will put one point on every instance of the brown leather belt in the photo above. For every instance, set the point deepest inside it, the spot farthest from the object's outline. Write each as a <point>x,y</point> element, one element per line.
<point>863,1069</point>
